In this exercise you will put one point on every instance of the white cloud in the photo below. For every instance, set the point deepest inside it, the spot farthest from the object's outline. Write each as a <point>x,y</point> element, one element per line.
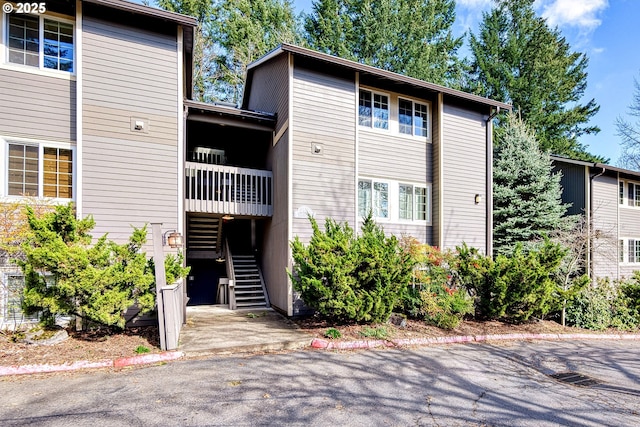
<point>575,13</point>
<point>473,4</point>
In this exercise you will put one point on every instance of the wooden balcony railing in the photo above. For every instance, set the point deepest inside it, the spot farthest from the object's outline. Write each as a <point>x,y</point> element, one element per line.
<point>228,190</point>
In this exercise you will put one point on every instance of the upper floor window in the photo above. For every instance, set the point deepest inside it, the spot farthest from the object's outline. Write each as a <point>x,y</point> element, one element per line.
<point>373,110</point>
<point>40,171</point>
<point>629,191</point>
<point>413,117</point>
<point>40,42</point>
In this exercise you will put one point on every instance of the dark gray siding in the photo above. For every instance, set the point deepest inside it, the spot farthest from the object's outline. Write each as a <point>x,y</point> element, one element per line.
<point>573,184</point>
<point>605,226</point>
<point>464,176</point>
<point>37,106</point>
<point>323,113</point>
<point>129,178</point>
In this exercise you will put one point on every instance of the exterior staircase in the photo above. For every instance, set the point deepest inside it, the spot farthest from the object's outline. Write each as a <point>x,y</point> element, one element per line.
<point>249,290</point>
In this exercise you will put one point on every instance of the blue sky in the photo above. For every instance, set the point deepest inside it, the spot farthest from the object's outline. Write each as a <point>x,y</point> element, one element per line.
<point>608,31</point>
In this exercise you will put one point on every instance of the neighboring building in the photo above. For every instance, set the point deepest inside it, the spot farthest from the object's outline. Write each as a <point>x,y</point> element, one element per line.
<point>98,110</point>
<point>609,198</point>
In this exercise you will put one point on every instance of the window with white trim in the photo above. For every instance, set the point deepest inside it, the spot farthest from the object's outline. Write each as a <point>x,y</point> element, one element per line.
<point>39,170</point>
<point>413,117</point>
<point>40,41</point>
<point>373,196</point>
<point>373,109</point>
<point>412,202</point>
<point>633,251</point>
<point>393,201</point>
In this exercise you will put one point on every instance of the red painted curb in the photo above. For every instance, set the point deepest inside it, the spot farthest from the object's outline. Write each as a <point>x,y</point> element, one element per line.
<point>401,342</point>
<point>144,359</point>
<point>85,364</point>
<point>39,369</point>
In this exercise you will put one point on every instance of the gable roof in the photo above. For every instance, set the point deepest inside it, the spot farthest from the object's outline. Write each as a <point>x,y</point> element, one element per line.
<point>368,69</point>
<point>153,12</point>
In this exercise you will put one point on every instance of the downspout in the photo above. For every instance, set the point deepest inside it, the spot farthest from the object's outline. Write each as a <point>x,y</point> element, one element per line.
<point>590,220</point>
<point>489,183</point>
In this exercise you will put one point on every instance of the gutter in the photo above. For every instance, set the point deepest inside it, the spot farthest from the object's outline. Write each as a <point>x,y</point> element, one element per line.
<point>489,182</point>
<point>590,219</point>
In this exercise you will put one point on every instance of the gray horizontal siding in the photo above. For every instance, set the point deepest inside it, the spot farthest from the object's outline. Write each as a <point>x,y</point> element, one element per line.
<point>129,178</point>
<point>605,224</point>
<point>424,233</point>
<point>323,113</point>
<point>629,222</point>
<point>276,236</point>
<point>37,106</point>
<point>394,157</point>
<point>270,90</point>
<point>463,176</point>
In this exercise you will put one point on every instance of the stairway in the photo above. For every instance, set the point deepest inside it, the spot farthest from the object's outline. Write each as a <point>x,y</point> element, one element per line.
<point>203,236</point>
<point>249,288</point>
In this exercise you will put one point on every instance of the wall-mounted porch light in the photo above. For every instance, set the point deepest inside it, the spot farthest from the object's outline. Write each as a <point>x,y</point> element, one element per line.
<point>477,199</point>
<point>172,239</point>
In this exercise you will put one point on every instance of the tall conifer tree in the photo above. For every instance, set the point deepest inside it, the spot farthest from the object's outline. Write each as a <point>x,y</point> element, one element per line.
<point>517,58</point>
<point>410,37</point>
<point>527,197</point>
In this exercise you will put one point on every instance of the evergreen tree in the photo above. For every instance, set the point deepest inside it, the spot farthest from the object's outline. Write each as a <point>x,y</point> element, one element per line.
<point>204,56</point>
<point>527,201</point>
<point>230,35</point>
<point>410,37</point>
<point>517,58</point>
<point>245,30</point>
<point>629,132</point>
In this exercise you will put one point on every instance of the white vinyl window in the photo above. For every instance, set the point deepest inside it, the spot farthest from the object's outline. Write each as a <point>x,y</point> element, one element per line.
<point>373,109</point>
<point>413,202</point>
<point>39,170</point>
<point>39,42</point>
<point>393,201</point>
<point>633,251</point>
<point>413,117</point>
<point>373,196</point>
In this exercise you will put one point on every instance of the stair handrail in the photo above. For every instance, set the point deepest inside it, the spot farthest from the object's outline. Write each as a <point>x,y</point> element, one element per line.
<point>231,275</point>
<point>264,288</point>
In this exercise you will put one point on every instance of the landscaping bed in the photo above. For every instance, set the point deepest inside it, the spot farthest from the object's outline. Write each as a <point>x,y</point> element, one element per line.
<point>85,345</point>
<point>317,326</point>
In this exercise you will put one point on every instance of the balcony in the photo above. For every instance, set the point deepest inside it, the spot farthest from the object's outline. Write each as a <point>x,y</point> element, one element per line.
<point>219,189</point>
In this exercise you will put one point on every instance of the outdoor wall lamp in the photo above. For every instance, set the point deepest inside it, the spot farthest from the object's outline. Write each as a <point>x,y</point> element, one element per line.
<point>477,199</point>
<point>172,238</point>
<point>227,217</point>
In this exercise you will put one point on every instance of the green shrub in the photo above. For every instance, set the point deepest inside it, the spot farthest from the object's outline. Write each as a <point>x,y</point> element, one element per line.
<point>332,333</point>
<point>141,349</point>
<point>379,333</point>
<point>348,277</point>
<point>65,274</point>
<point>512,288</point>
<point>605,305</point>
<point>444,307</point>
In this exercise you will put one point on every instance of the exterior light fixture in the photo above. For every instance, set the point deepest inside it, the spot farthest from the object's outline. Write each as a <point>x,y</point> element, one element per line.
<point>227,217</point>
<point>172,239</point>
<point>477,199</point>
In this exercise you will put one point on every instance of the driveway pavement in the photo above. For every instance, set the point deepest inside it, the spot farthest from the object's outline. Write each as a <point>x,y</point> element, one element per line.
<point>506,384</point>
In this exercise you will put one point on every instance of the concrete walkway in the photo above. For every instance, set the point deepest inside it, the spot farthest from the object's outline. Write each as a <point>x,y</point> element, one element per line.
<point>218,330</point>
